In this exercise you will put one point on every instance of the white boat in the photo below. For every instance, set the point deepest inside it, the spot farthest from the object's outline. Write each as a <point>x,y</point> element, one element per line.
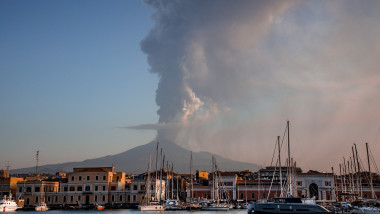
<point>173,205</point>
<point>42,207</point>
<point>7,204</point>
<point>151,207</point>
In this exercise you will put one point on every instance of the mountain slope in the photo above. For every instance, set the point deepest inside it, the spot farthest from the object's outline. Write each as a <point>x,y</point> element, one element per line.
<point>136,160</point>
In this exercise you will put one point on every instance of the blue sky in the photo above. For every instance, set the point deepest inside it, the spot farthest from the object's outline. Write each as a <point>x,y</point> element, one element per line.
<point>226,76</point>
<point>71,72</point>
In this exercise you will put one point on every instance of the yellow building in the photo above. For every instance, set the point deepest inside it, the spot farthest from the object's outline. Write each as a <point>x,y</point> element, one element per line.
<point>9,185</point>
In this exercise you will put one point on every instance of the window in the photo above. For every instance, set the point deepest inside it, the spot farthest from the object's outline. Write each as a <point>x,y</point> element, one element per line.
<point>253,195</point>
<point>80,178</point>
<point>104,188</point>
<point>104,198</point>
<point>27,201</point>
<point>55,199</point>
<point>96,198</point>
<point>65,189</point>
<point>104,177</point>
<point>128,198</point>
<point>20,189</point>
<point>120,198</point>
<point>36,199</point>
<point>28,189</point>
<point>79,188</point>
<point>79,198</point>
<point>71,198</point>
<point>37,189</point>
<point>72,188</point>
<point>64,199</point>
<point>134,197</point>
<point>299,183</point>
<point>96,177</point>
<point>72,178</point>
<point>88,177</point>
<point>112,198</point>
<point>48,198</point>
<point>96,188</point>
<point>241,195</point>
<point>88,188</point>
<point>328,183</point>
<point>117,178</point>
<point>113,188</point>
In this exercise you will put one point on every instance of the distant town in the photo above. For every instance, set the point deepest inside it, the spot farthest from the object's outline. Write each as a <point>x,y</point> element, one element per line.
<point>84,187</point>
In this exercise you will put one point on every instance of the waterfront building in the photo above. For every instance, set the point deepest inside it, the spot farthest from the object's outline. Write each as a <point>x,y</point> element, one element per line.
<point>8,184</point>
<point>32,193</point>
<point>91,185</point>
<point>310,184</point>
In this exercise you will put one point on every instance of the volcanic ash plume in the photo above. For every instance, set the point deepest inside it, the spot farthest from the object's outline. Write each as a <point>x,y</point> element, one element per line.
<point>232,72</point>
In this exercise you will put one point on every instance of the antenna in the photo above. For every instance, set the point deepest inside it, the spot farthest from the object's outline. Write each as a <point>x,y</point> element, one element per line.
<point>37,154</point>
<point>8,166</point>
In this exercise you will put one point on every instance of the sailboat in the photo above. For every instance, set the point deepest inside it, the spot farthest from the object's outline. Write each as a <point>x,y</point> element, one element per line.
<point>146,204</point>
<point>288,204</point>
<point>368,206</point>
<point>217,204</point>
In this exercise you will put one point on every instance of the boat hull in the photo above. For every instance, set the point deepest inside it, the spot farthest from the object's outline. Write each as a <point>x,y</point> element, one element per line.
<point>151,208</point>
<point>7,209</point>
<point>286,208</point>
<point>41,209</point>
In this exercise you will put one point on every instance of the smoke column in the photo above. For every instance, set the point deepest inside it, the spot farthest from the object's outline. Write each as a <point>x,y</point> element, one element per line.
<point>232,72</point>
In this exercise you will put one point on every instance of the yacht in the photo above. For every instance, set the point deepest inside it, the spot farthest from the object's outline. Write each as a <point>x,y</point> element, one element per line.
<point>286,205</point>
<point>7,204</point>
<point>42,207</point>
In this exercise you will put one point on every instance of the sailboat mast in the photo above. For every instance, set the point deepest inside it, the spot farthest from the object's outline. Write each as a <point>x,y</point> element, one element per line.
<point>356,174</point>
<point>213,178</point>
<point>172,181</point>
<point>161,175</point>
<point>279,163</point>
<point>191,176</point>
<point>155,181</point>
<point>369,170</point>
<point>289,162</point>
<point>360,179</point>
<point>344,174</point>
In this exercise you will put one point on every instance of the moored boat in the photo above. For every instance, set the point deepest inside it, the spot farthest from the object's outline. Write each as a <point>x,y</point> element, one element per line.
<point>286,206</point>
<point>7,204</point>
<point>42,207</point>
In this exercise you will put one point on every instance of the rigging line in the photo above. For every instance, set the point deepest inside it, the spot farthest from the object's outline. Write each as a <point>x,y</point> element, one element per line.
<point>367,174</point>
<point>271,183</point>
<point>373,160</point>
<point>274,152</point>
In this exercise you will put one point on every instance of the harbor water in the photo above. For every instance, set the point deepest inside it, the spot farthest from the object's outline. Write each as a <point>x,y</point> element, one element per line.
<point>130,211</point>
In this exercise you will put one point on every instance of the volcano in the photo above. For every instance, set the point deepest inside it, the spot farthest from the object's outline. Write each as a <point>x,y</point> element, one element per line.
<point>135,161</point>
